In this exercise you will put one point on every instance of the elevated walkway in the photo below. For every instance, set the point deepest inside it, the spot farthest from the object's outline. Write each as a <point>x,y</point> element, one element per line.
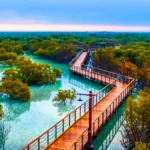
<point>71,133</point>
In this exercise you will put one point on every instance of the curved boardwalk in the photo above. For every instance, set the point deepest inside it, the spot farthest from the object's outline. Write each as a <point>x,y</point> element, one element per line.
<point>106,101</point>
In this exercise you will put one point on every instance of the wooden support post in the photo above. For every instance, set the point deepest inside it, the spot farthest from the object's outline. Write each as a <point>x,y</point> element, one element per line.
<point>47,137</point>
<point>90,146</point>
<point>39,144</point>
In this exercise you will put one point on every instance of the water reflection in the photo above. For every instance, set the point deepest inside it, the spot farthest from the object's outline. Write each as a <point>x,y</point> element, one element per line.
<point>29,119</point>
<point>108,132</point>
<point>44,92</point>
<point>13,109</point>
<point>84,84</point>
<point>63,109</point>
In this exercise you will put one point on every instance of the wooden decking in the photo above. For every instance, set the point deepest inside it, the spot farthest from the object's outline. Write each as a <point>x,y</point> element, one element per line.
<point>67,140</point>
<point>72,135</point>
<point>71,132</point>
<point>76,67</point>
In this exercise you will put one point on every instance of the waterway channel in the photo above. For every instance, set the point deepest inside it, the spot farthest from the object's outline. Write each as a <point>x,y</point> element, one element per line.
<point>27,120</point>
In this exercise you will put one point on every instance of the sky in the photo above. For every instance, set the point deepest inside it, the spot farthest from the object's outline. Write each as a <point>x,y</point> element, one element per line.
<point>70,15</point>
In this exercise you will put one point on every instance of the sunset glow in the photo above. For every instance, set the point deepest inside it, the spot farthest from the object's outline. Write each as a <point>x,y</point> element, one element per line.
<point>48,27</point>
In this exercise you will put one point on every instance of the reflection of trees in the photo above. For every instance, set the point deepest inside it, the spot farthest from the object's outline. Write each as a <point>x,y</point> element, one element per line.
<point>39,93</point>
<point>84,83</point>
<point>13,109</point>
<point>4,131</point>
<point>108,132</point>
<point>63,109</point>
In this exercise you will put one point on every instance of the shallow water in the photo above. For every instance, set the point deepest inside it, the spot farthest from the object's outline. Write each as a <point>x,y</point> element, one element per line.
<point>109,136</point>
<point>29,119</point>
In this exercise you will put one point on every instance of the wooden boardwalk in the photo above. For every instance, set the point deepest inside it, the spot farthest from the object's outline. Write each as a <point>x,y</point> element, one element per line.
<point>77,68</point>
<point>67,140</point>
<point>106,101</point>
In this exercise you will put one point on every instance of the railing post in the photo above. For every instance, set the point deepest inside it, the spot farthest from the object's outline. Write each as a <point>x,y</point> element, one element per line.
<point>106,114</point>
<point>96,98</point>
<point>75,146</point>
<point>90,121</point>
<point>55,131</point>
<point>74,116</point>
<point>82,141</point>
<point>38,143</point>
<point>110,110</point>
<point>63,125</point>
<point>69,120</point>
<point>93,128</point>
<point>80,111</point>
<point>113,107</point>
<point>47,137</point>
<point>98,123</point>
<point>103,118</point>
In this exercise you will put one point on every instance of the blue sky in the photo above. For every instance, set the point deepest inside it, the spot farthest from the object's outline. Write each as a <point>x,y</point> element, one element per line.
<point>76,12</point>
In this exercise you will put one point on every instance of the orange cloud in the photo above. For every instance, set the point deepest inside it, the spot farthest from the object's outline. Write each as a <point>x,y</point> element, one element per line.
<point>53,27</point>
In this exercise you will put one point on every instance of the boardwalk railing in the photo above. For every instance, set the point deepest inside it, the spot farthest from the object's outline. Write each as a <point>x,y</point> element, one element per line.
<point>92,74</point>
<point>75,58</point>
<point>60,127</point>
<point>56,130</point>
<point>117,76</point>
<point>102,119</point>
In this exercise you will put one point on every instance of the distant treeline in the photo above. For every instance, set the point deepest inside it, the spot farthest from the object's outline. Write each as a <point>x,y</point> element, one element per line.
<point>61,47</point>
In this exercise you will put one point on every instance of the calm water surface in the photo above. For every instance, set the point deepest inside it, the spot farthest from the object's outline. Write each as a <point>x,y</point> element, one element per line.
<point>29,119</point>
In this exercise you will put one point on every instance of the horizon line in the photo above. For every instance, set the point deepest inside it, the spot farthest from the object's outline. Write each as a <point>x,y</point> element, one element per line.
<point>71,28</point>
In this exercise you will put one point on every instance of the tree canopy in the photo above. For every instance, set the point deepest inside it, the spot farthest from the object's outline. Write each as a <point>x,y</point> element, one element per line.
<point>63,95</point>
<point>32,73</point>
<point>137,120</point>
<point>16,89</point>
<point>136,56</point>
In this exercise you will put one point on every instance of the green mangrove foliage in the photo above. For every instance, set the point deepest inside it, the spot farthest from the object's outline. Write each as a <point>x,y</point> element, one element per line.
<point>15,81</point>
<point>136,57</point>
<point>7,58</point>
<point>137,120</point>
<point>61,47</point>
<point>9,50</point>
<point>32,73</point>
<point>16,89</point>
<point>63,95</point>
<point>57,52</point>
<point>140,146</point>
<point>57,72</point>
<point>12,46</point>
